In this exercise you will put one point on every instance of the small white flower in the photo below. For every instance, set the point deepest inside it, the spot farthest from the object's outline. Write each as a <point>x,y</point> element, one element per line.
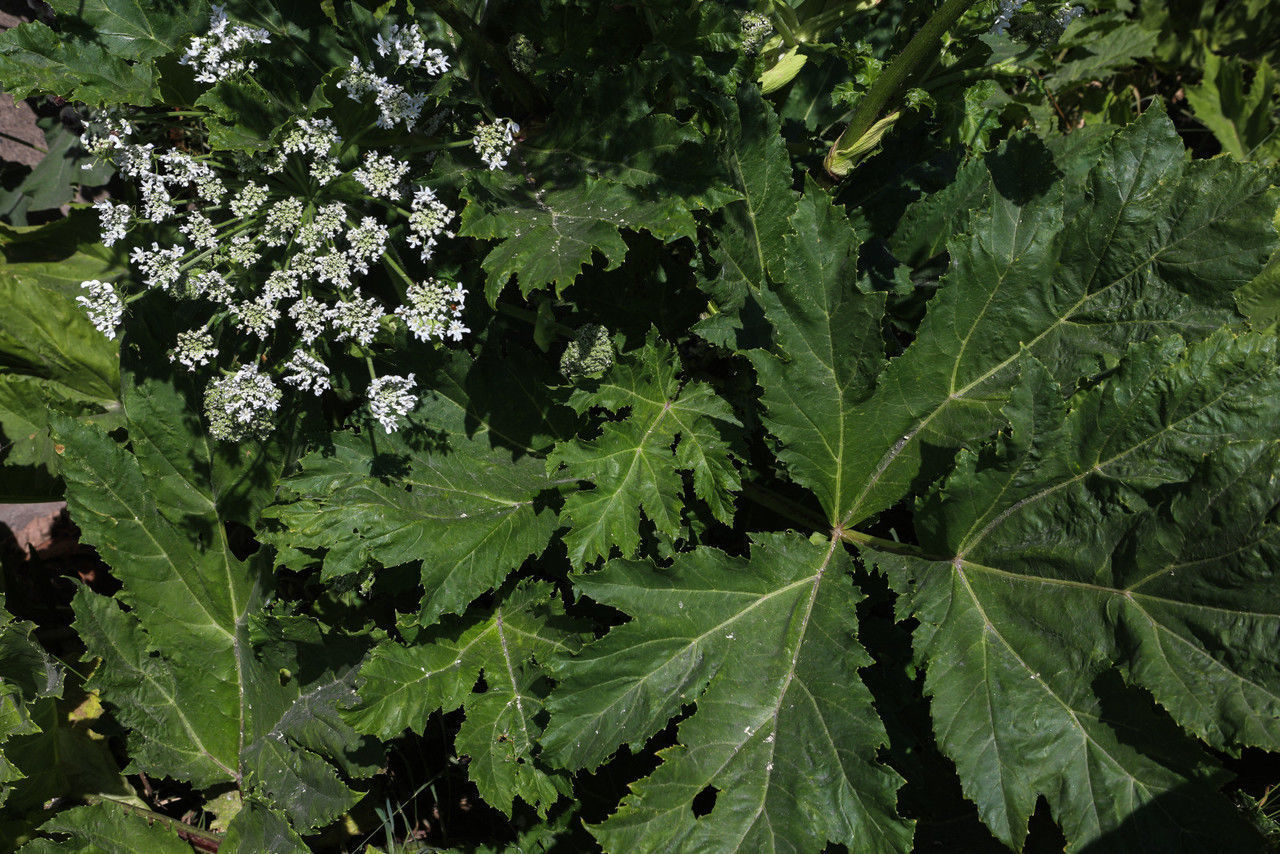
<point>311,136</point>
<point>134,161</point>
<point>356,319</point>
<point>311,317</point>
<point>282,221</point>
<point>390,398</point>
<point>257,317</point>
<point>398,106</point>
<point>411,49</point>
<point>457,330</point>
<point>194,349</point>
<point>325,224</point>
<point>242,251</point>
<point>208,54</point>
<point>333,268</point>
<point>114,220</point>
<point>382,176</point>
<point>429,219</point>
<point>240,405</point>
<point>432,309</point>
<point>494,140</point>
<point>249,199</point>
<point>360,81</point>
<point>200,231</point>
<point>159,266</point>
<point>157,205</point>
<point>104,138</point>
<point>366,242</point>
<point>213,285</point>
<point>306,373</point>
<point>281,284</point>
<point>103,305</point>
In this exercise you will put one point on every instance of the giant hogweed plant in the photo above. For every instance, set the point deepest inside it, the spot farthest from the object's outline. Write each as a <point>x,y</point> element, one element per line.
<point>511,376</point>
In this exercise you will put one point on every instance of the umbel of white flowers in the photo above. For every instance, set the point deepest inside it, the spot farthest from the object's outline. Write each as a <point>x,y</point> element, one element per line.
<point>274,255</point>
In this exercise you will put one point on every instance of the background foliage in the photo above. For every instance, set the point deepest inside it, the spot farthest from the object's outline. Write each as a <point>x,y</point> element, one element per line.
<point>931,503</point>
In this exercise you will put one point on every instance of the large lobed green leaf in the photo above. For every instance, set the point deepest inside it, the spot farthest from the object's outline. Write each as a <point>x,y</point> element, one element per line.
<point>1050,567</point>
<point>635,463</point>
<point>749,245</point>
<point>195,670</point>
<point>1144,244</point>
<point>509,645</point>
<point>466,511</point>
<point>784,731</point>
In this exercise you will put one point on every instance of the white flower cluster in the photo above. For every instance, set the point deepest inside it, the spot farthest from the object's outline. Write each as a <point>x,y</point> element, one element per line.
<point>429,218</point>
<point>276,248</point>
<point>494,140</point>
<point>395,103</point>
<point>210,54</point>
<point>305,372</point>
<point>103,305</point>
<point>194,349</point>
<point>391,397</point>
<point>382,175</point>
<point>114,220</point>
<point>411,50</point>
<point>239,406</point>
<point>434,310</point>
<point>105,138</point>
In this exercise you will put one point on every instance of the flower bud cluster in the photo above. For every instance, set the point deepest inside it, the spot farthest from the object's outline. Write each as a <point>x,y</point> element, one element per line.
<point>275,246</point>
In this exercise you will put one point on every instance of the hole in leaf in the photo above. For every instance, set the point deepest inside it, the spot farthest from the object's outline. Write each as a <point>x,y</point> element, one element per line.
<point>705,801</point>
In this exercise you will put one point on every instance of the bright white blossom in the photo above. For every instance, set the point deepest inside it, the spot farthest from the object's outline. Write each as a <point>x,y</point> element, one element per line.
<point>249,199</point>
<point>325,224</point>
<point>306,373</point>
<point>283,219</point>
<point>103,305</point>
<point>213,285</point>
<point>194,349</point>
<point>114,220</point>
<point>134,161</point>
<point>494,140</point>
<point>382,175</point>
<point>429,218</point>
<point>103,138</point>
<point>315,137</point>
<point>160,267</point>
<point>390,398</point>
<point>356,319</point>
<point>333,268</point>
<point>365,243</point>
<point>200,231</point>
<point>411,49</point>
<point>242,251</point>
<point>210,54</point>
<point>157,204</point>
<point>311,317</point>
<point>433,309</point>
<point>279,265</point>
<point>281,284</point>
<point>240,405</point>
<point>257,317</point>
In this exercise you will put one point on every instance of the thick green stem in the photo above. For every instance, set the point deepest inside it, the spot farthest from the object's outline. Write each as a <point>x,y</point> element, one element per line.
<point>197,837</point>
<point>890,84</point>
<point>529,98</point>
